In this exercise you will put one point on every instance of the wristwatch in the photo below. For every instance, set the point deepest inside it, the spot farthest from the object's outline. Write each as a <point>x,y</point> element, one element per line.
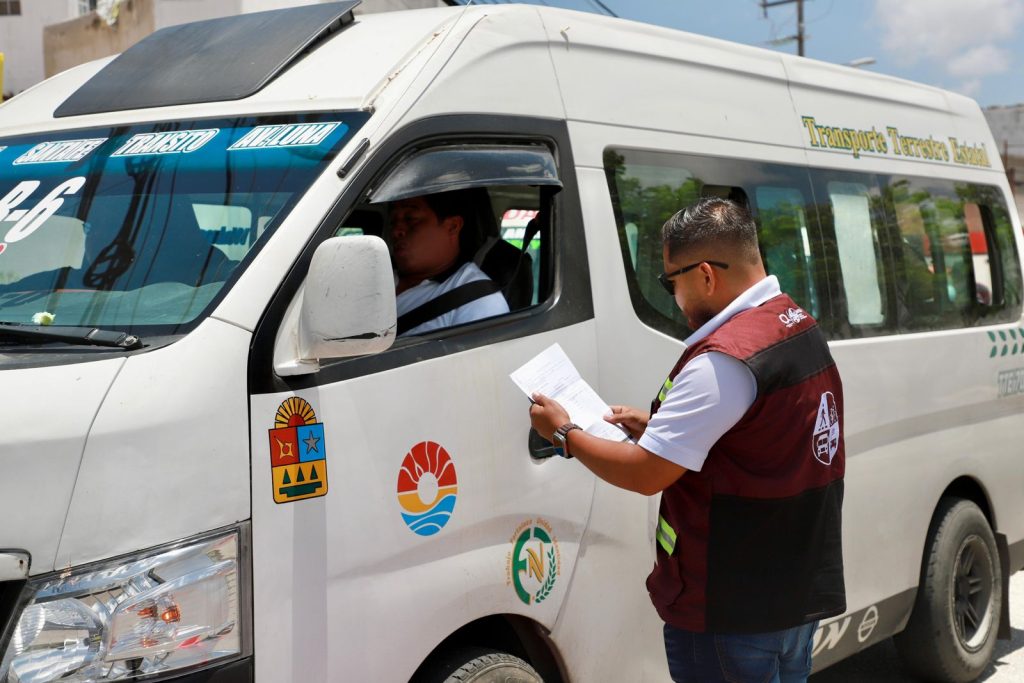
<point>560,440</point>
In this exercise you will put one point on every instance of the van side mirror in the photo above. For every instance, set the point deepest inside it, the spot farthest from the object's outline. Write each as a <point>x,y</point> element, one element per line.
<point>348,303</point>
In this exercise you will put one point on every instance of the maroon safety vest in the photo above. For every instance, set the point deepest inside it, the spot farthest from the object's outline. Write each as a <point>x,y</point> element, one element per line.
<point>752,543</point>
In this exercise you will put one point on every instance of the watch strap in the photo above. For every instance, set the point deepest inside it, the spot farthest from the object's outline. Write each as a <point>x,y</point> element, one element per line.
<point>563,433</point>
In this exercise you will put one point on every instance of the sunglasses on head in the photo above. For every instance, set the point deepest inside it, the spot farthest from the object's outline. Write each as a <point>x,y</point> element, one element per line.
<point>666,278</point>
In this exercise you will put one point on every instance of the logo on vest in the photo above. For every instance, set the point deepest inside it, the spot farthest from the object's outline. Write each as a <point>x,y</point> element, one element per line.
<point>825,441</point>
<point>792,317</point>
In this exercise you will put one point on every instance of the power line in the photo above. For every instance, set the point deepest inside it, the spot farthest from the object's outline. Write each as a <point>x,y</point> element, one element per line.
<point>604,7</point>
<point>799,36</point>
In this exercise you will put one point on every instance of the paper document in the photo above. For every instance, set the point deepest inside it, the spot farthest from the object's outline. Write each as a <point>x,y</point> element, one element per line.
<point>552,373</point>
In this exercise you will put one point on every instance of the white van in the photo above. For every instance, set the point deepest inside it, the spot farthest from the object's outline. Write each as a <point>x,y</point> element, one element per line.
<point>218,463</point>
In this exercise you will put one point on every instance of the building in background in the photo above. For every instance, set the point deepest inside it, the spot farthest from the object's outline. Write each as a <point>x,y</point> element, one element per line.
<point>40,38</point>
<point>21,36</point>
<point>1007,124</point>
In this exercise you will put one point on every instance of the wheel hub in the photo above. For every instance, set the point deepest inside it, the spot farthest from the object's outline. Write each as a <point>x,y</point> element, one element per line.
<point>972,593</point>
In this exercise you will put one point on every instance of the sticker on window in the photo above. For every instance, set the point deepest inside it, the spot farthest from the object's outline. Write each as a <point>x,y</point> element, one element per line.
<point>171,142</point>
<point>293,135</point>
<point>27,221</point>
<point>59,151</point>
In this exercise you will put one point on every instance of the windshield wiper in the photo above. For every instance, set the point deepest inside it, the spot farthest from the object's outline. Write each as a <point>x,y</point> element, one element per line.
<point>84,336</point>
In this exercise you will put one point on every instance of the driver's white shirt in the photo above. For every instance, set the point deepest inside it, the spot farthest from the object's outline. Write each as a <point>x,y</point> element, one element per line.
<point>484,307</point>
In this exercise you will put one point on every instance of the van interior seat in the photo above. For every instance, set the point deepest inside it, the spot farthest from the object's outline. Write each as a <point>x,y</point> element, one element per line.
<point>510,268</point>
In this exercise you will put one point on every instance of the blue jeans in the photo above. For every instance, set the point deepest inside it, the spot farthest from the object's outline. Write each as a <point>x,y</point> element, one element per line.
<point>775,657</point>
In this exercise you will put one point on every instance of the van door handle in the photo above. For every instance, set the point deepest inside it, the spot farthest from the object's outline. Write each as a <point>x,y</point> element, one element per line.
<point>540,448</point>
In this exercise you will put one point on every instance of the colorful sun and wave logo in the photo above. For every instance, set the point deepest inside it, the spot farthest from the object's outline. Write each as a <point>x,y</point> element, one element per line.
<point>298,452</point>
<point>427,488</point>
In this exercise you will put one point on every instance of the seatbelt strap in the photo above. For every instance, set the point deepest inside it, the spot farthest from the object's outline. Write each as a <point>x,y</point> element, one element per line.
<point>449,301</point>
<point>528,235</point>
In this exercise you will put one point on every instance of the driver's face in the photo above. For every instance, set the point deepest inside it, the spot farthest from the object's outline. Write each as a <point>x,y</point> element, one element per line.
<point>422,243</point>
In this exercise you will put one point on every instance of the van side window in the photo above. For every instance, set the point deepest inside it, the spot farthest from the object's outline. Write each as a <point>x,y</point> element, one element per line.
<point>940,280</point>
<point>867,256</point>
<point>469,225</point>
<point>1002,254</point>
<point>500,241</point>
<point>648,187</point>
<point>950,264</point>
<point>786,243</point>
<point>860,257</point>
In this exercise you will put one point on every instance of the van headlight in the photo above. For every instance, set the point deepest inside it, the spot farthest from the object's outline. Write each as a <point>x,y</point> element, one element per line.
<point>162,611</point>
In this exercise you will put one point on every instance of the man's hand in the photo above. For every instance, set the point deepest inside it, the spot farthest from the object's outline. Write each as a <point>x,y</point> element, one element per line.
<point>547,415</point>
<point>623,464</point>
<point>633,419</point>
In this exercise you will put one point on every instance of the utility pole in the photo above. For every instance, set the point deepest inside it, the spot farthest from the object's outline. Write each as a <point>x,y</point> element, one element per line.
<point>799,37</point>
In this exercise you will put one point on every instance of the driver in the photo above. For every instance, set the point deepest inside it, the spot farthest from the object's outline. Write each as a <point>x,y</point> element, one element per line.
<point>437,283</point>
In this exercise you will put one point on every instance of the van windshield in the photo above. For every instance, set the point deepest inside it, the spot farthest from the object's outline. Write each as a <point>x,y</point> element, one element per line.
<point>140,228</point>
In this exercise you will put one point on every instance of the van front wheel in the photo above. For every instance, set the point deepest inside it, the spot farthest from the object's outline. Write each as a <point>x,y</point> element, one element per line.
<point>477,665</point>
<point>952,630</point>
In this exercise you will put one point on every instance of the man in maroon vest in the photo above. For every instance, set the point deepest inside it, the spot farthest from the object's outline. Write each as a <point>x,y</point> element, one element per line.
<point>749,553</point>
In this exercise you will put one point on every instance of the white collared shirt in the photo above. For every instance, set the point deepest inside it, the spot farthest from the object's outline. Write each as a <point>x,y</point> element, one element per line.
<point>709,395</point>
<point>484,307</point>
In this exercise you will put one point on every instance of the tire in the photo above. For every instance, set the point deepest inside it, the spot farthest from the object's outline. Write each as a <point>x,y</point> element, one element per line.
<point>952,630</point>
<point>478,665</point>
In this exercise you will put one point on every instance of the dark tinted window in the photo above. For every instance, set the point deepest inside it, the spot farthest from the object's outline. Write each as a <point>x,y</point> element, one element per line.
<point>864,254</point>
<point>648,187</point>
<point>948,257</point>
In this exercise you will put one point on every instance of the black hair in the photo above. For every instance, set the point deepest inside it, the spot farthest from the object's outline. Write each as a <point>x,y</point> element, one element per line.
<point>711,222</point>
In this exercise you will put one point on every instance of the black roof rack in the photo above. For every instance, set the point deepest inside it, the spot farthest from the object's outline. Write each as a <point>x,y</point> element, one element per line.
<point>207,61</point>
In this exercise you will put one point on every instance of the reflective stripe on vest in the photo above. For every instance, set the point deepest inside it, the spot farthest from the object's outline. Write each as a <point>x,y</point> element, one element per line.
<point>665,389</point>
<point>666,535</point>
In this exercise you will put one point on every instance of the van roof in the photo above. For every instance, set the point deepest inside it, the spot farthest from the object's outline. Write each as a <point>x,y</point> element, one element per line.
<point>207,61</point>
<point>337,74</point>
<point>350,68</point>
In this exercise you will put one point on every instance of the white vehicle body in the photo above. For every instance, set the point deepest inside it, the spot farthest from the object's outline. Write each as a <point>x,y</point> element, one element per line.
<point>106,454</point>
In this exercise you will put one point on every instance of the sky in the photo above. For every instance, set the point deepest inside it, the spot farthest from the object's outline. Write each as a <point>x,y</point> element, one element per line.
<point>973,47</point>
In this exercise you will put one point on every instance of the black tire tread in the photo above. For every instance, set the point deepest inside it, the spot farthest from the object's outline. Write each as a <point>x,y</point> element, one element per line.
<point>463,665</point>
<point>480,664</point>
<point>920,645</point>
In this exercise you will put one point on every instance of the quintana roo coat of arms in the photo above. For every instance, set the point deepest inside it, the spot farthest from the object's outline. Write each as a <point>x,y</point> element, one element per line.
<point>298,452</point>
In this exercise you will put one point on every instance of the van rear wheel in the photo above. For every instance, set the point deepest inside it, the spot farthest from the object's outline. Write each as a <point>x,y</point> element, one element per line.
<point>479,665</point>
<point>952,630</point>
